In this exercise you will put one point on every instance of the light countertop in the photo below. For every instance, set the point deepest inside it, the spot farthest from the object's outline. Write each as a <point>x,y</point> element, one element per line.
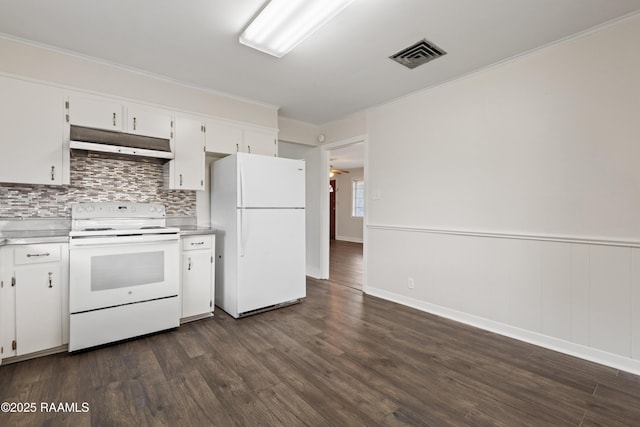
<point>30,231</point>
<point>31,237</point>
<point>194,230</point>
<point>37,231</point>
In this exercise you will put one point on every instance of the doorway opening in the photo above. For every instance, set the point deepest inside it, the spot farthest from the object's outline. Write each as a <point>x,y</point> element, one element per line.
<point>346,214</point>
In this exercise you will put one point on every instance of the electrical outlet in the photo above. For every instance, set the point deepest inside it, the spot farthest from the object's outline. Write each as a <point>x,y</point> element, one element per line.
<point>410,283</point>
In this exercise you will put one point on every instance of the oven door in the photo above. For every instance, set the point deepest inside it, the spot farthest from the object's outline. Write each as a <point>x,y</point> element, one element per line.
<point>119,270</point>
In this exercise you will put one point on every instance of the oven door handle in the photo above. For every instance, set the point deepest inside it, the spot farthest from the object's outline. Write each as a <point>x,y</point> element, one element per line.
<point>122,240</point>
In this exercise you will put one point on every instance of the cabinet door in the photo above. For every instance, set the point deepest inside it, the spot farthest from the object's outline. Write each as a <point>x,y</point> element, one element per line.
<point>224,138</point>
<point>38,308</point>
<point>188,165</point>
<point>260,142</point>
<point>196,283</point>
<point>7,305</point>
<point>32,134</point>
<point>149,121</point>
<point>97,113</point>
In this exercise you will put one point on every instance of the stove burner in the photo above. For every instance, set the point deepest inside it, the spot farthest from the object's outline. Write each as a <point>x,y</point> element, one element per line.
<point>98,229</point>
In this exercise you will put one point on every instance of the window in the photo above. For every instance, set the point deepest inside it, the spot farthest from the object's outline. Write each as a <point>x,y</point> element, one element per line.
<point>357,195</point>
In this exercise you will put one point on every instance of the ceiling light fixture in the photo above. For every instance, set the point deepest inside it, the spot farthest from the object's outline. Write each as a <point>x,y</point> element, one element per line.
<point>283,24</point>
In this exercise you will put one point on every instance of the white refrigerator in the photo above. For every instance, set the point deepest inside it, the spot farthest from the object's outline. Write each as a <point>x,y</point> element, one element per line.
<point>258,211</point>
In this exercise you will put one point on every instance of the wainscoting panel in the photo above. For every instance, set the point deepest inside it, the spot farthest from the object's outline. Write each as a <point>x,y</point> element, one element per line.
<point>610,309</point>
<point>556,289</point>
<point>524,264</point>
<point>635,303</point>
<point>580,294</point>
<point>581,298</point>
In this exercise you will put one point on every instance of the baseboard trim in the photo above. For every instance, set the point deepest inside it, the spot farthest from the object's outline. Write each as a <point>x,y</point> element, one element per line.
<point>314,273</point>
<point>350,239</point>
<point>55,350</point>
<point>545,341</point>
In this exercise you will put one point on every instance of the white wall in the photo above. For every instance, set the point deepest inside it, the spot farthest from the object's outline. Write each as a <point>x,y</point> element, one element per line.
<point>512,198</point>
<point>77,72</point>
<point>290,130</point>
<point>203,198</point>
<point>348,227</point>
<point>343,129</point>
<point>313,185</point>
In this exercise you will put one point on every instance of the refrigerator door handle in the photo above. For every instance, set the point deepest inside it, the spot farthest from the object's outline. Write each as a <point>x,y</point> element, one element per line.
<point>241,231</point>
<point>241,207</point>
<point>241,185</point>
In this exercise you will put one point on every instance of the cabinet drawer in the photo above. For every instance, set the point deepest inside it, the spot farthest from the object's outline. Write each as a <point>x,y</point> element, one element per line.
<point>196,242</point>
<point>34,254</point>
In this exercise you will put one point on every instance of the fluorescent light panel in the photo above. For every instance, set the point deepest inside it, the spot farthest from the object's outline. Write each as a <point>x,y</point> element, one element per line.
<point>283,24</point>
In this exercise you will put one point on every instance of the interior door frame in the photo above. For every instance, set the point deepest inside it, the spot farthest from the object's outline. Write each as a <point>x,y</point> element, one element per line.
<point>332,209</point>
<point>324,203</point>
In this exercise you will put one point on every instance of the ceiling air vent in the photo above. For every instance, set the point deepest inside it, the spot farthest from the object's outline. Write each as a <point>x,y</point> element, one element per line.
<point>418,54</point>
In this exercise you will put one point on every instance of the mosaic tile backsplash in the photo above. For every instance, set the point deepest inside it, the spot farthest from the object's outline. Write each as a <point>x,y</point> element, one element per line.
<point>95,178</point>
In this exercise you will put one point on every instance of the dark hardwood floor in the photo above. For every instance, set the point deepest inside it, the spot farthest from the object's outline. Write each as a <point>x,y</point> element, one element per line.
<point>339,358</point>
<point>345,263</point>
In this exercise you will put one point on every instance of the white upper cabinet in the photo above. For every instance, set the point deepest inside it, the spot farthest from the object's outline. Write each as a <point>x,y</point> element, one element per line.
<point>97,113</point>
<point>149,121</point>
<point>223,137</point>
<point>32,133</point>
<point>110,114</point>
<point>228,138</point>
<point>186,170</point>
<point>261,142</point>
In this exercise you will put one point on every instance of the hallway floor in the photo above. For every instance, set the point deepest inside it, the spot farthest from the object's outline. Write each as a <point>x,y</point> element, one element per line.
<point>345,263</point>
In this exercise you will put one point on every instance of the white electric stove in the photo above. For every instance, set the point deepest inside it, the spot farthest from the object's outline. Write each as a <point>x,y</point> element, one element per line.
<point>123,274</point>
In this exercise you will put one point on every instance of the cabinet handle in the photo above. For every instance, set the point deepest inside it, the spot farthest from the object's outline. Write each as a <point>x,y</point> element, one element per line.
<point>189,267</point>
<point>249,148</point>
<point>197,243</point>
<point>114,119</point>
<point>37,255</point>
<point>50,280</point>
<point>53,173</point>
<point>180,180</point>
<point>237,148</point>
<point>134,123</point>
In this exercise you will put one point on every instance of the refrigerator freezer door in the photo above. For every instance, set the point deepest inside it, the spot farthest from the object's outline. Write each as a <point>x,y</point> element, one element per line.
<point>271,259</point>
<point>265,182</point>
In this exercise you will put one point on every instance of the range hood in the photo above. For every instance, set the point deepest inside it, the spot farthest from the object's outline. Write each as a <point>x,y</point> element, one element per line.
<point>106,141</point>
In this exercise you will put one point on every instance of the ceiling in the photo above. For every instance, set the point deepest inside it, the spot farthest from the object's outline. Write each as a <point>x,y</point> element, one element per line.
<point>348,157</point>
<point>341,69</point>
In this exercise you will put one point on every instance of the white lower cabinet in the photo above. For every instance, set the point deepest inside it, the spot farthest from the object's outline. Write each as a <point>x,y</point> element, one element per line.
<point>198,276</point>
<point>7,304</point>
<point>33,298</point>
